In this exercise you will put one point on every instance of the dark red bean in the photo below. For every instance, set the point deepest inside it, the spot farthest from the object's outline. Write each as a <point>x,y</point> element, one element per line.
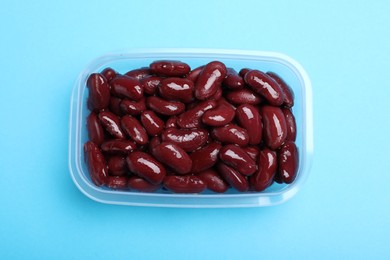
<point>115,106</point>
<point>151,122</point>
<point>169,68</point>
<point>95,129</point>
<point>243,96</point>
<point>193,75</point>
<point>188,139</point>
<point>118,146</point>
<point>234,178</point>
<point>205,158</point>
<point>99,92</point>
<point>112,124</point>
<point>145,166</point>
<point>178,89</point>
<point>96,163</point>
<point>126,87</point>
<point>184,184</point>
<point>134,129</point>
<point>291,124</point>
<point>219,116</point>
<point>287,91</point>
<point>249,118</point>
<point>218,94</point>
<point>274,125</point>
<point>150,84</point>
<point>173,156</point>
<point>164,107</point>
<point>288,162</point>
<point>253,152</point>
<point>213,181</point>
<point>156,140</point>
<point>233,80</point>
<point>231,134</point>
<point>209,79</point>
<point>117,182</point>
<point>139,184</point>
<point>192,117</point>
<point>139,73</point>
<point>108,73</point>
<point>243,71</point>
<point>238,159</point>
<point>133,108</point>
<point>117,165</point>
<point>264,85</point>
<point>267,166</point>
<point>171,122</point>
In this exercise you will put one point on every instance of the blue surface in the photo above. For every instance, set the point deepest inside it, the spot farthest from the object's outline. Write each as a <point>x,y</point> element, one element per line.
<point>341,212</point>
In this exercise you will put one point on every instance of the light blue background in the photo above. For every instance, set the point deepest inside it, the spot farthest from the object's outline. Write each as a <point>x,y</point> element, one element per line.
<point>341,212</point>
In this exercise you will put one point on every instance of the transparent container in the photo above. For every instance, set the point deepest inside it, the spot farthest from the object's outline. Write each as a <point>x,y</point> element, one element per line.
<point>281,64</point>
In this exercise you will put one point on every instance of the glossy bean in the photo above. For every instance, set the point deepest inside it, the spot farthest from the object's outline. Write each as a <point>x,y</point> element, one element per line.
<point>108,73</point>
<point>173,156</point>
<point>267,165</point>
<point>213,181</point>
<point>178,89</point>
<point>145,166</point>
<point>169,68</point>
<point>288,100</point>
<point>171,122</point>
<point>291,124</point>
<point>249,118</point>
<point>205,158</point>
<point>231,134</point>
<point>193,75</point>
<point>164,107</point>
<point>274,125</point>
<point>96,163</point>
<point>243,71</point>
<point>209,79</point>
<point>288,162</point>
<point>99,92</point>
<point>131,107</point>
<point>126,87</point>
<point>140,184</point>
<point>151,122</point>
<point>184,184</point>
<point>188,139</point>
<point>150,84</point>
<point>112,124</point>
<point>218,94</point>
<point>117,182</point>
<point>134,129</point>
<point>115,106</point>
<point>234,178</point>
<point>253,152</point>
<point>233,80</point>
<point>243,96</point>
<point>238,159</point>
<point>192,117</point>
<point>219,116</point>
<point>264,85</point>
<point>118,146</point>
<point>139,73</point>
<point>95,129</point>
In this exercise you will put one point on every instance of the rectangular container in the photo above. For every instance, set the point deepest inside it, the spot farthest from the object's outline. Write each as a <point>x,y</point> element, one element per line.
<point>281,64</point>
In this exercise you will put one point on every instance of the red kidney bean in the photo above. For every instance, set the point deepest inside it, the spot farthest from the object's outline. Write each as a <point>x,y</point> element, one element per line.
<point>243,71</point>
<point>231,134</point>
<point>124,86</point>
<point>184,184</point>
<point>99,92</point>
<point>249,118</point>
<point>164,107</point>
<point>219,116</point>
<point>193,75</point>
<point>265,86</point>
<point>134,129</point>
<point>151,122</point>
<point>139,73</point>
<point>108,73</point>
<point>116,165</point>
<point>288,162</point>
<point>171,122</point>
<point>96,163</point>
<point>188,139</point>
<point>169,68</point>
<point>274,125</point>
<point>115,107</point>
<point>192,117</point>
<point>139,184</point>
<point>233,80</point>
<point>156,140</point>
<point>267,166</point>
<point>150,84</point>
<point>234,178</point>
<point>243,96</point>
<point>178,89</point>
<point>253,152</point>
<point>287,91</point>
<point>173,156</point>
<point>95,129</point>
<point>291,125</point>
<point>205,158</point>
<point>111,123</point>
<point>145,166</point>
<point>209,79</point>
<point>117,182</point>
<point>218,94</point>
<point>118,146</point>
<point>213,181</point>
<point>238,159</point>
<point>133,108</point>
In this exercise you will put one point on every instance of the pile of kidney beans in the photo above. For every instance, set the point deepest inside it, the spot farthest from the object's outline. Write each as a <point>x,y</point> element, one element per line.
<point>167,126</point>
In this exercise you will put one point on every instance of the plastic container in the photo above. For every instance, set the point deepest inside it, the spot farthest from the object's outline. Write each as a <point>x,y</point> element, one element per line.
<point>286,67</point>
